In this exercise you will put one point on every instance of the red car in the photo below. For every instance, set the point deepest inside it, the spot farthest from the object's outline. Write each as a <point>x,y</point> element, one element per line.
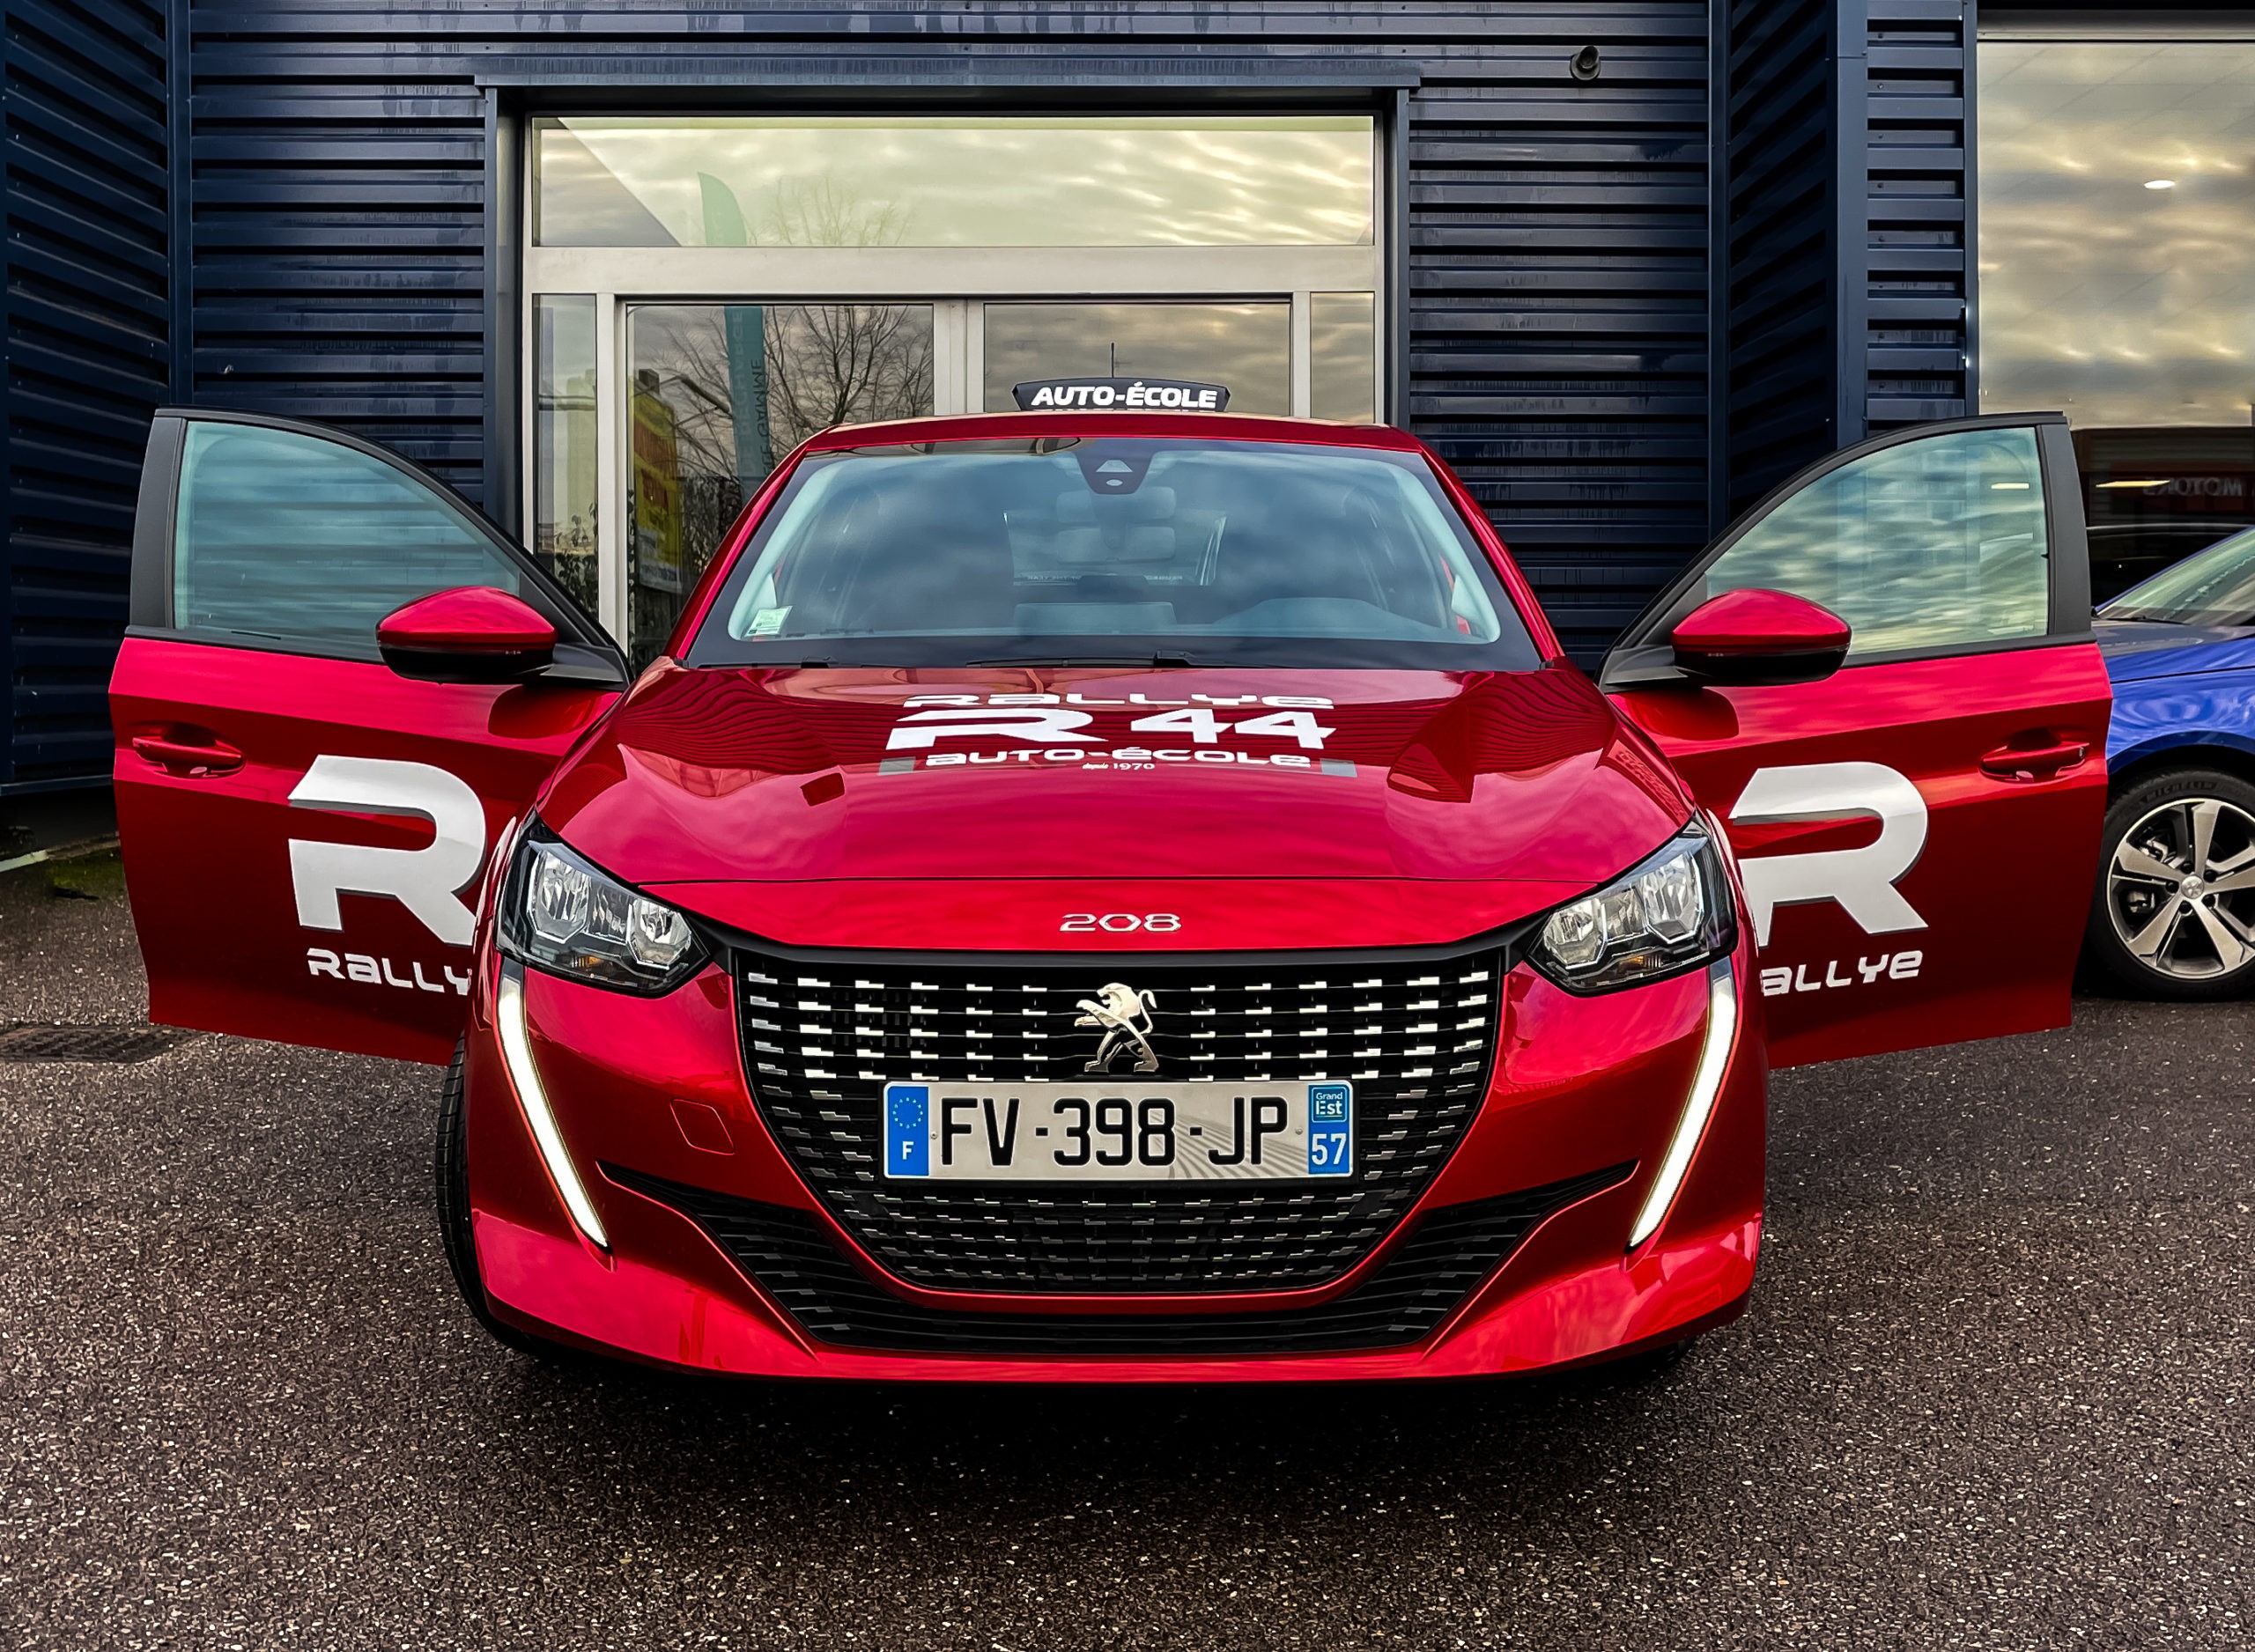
<point>1100,894</point>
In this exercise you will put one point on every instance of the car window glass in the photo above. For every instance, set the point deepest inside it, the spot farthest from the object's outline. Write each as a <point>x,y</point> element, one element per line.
<point>2216,588</point>
<point>1266,553</point>
<point>1935,543</point>
<point>289,537</point>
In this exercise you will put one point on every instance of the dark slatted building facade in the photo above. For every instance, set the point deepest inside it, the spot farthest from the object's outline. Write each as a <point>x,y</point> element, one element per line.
<point>1636,260</point>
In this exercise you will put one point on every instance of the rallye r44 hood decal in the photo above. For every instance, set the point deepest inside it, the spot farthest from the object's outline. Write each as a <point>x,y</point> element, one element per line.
<point>1107,775</point>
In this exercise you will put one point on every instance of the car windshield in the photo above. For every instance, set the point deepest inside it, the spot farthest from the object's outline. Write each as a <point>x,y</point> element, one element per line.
<point>2216,588</point>
<point>1109,550</point>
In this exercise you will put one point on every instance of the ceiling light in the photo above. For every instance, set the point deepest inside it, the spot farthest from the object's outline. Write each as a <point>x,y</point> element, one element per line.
<point>2021,487</point>
<point>2159,483</point>
<point>2161,183</point>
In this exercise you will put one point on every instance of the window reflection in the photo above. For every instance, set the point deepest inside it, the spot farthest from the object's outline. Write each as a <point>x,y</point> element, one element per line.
<point>1937,543</point>
<point>283,536</point>
<point>564,443</point>
<point>2118,278</point>
<point>2216,588</point>
<point>717,394</point>
<point>1343,356</point>
<point>845,180</point>
<point>1245,346</point>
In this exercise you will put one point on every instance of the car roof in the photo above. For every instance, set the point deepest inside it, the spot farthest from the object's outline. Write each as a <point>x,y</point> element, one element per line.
<point>1230,427</point>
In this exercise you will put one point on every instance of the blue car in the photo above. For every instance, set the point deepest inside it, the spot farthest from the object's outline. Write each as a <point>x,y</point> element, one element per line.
<point>2174,912</point>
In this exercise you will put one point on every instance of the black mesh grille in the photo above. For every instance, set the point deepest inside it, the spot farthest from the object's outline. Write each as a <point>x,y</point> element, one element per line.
<point>1415,1039</point>
<point>1440,1262</point>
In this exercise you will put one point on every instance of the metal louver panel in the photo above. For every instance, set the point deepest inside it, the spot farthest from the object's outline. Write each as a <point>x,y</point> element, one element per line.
<point>84,272</point>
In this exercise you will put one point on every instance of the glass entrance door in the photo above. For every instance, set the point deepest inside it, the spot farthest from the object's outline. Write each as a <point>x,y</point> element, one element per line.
<point>716,394</point>
<point>709,396</point>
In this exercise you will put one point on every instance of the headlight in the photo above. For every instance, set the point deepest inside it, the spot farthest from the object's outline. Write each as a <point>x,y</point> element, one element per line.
<point>562,914</point>
<point>1671,911</point>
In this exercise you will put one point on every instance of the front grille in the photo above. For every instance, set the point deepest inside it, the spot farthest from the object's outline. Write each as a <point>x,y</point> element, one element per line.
<point>1441,1261</point>
<point>1416,1037</point>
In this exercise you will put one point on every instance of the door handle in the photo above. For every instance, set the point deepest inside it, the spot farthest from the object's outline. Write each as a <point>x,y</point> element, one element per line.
<point>188,757</point>
<point>2035,761</point>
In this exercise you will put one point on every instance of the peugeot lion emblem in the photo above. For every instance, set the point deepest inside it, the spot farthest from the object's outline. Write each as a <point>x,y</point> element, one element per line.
<point>1125,1015</point>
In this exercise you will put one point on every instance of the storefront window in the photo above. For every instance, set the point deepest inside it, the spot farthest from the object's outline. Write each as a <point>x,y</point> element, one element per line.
<point>1343,356</point>
<point>931,262</point>
<point>2118,278</point>
<point>563,442</point>
<point>953,180</point>
<point>1245,346</point>
<point>717,394</point>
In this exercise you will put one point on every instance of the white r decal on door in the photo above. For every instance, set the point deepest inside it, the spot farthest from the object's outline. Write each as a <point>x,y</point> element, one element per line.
<point>428,880</point>
<point>1862,880</point>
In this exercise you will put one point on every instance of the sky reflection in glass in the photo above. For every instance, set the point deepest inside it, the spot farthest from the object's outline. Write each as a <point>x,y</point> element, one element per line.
<point>2117,303</point>
<point>960,181</point>
<point>1936,543</point>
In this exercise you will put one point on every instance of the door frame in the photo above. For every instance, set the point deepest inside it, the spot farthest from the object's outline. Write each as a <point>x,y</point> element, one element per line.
<point>955,280</point>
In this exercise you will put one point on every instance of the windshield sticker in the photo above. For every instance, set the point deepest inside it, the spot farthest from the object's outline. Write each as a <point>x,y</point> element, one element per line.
<point>769,622</point>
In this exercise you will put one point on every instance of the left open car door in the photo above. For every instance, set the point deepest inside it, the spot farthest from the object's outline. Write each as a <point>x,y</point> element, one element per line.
<point>303,828</point>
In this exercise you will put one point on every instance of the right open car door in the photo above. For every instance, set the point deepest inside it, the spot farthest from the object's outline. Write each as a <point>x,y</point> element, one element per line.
<point>1917,829</point>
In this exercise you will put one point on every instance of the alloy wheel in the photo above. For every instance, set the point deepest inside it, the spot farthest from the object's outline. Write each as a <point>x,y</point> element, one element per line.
<point>2180,888</point>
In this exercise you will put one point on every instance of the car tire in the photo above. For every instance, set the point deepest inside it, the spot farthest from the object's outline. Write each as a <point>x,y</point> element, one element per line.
<point>2146,937</point>
<point>451,1174</point>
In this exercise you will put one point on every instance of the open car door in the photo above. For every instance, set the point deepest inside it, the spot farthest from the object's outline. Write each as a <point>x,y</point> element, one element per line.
<point>303,826</point>
<point>1918,831</point>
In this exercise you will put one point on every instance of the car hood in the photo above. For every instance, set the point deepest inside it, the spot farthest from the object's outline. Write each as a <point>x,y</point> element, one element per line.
<point>1527,785</point>
<point>2139,650</point>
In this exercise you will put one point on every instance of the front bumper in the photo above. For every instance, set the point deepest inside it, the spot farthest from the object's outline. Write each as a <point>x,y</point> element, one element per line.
<point>720,1259</point>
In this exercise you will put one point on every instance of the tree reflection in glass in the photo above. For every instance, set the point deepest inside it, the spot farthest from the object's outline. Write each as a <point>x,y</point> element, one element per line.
<point>718,392</point>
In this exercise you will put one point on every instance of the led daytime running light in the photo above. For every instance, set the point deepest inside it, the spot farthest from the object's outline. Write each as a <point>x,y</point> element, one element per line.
<point>516,1055</point>
<point>1706,1085</point>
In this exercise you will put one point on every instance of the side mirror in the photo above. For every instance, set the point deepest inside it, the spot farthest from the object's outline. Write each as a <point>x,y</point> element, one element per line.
<point>474,634</point>
<point>1756,637</point>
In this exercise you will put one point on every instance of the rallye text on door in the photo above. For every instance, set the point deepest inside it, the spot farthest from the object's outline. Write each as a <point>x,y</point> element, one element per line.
<point>1107,896</point>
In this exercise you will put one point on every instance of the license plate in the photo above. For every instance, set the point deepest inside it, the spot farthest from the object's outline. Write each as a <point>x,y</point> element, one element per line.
<point>1112,1131</point>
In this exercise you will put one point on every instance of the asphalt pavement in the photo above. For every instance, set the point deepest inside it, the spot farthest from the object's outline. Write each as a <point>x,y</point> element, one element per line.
<point>1997,1390</point>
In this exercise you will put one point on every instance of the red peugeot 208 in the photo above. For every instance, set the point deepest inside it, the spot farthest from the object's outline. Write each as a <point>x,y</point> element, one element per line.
<point>1102,894</point>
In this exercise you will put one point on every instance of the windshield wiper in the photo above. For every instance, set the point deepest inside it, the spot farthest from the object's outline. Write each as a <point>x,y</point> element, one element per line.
<point>1086,660</point>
